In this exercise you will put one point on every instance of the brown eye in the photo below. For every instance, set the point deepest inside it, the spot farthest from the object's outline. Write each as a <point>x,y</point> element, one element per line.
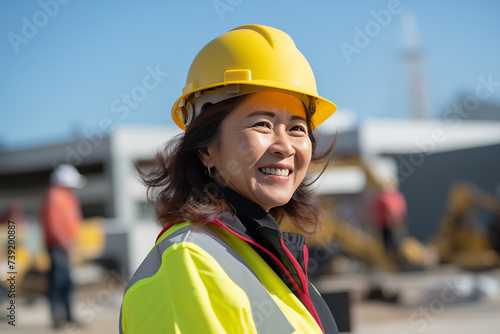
<point>264,124</point>
<point>298,128</point>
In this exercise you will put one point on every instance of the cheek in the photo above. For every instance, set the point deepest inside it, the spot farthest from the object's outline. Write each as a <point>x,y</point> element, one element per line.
<point>304,153</point>
<point>252,147</point>
<point>246,149</point>
<point>238,153</point>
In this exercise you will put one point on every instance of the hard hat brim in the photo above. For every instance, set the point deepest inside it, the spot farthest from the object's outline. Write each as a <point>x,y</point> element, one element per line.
<point>324,107</point>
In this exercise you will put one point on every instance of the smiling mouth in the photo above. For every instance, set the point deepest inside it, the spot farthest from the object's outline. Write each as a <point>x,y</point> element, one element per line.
<point>275,171</point>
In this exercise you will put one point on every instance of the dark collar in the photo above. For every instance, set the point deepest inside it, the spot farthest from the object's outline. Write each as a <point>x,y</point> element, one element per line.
<point>252,221</point>
<point>253,216</point>
<point>260,226</point>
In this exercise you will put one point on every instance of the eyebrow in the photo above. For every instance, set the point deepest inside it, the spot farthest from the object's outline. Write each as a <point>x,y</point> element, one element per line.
<point>273,115</point>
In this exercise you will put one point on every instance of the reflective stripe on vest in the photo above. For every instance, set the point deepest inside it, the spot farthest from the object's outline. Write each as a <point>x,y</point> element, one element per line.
<point>267,316</point>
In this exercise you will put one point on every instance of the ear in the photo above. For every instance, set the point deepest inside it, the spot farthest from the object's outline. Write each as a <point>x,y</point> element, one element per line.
<point>205,157</point>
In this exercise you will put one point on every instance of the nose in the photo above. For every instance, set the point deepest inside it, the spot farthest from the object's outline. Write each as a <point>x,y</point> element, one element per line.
<point>282,146</point>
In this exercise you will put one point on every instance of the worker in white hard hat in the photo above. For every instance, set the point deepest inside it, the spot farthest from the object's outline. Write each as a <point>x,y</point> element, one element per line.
<point>61,217</point>
<point>222,263</point>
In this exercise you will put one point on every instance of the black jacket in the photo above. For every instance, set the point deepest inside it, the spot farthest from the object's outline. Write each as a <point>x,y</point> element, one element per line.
<point>253,222</point>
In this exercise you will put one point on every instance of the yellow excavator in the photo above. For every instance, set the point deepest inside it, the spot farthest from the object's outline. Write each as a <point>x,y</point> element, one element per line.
<point>461,238</point>
<point>365,244</point>
<point>368,246</point>
<point>31,257</point>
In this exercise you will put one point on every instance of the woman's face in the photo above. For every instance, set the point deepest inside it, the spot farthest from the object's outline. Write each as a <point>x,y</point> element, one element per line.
<point>264,150</point>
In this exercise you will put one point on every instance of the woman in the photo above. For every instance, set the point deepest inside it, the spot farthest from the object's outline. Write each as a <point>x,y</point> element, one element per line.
<point>221,263</point>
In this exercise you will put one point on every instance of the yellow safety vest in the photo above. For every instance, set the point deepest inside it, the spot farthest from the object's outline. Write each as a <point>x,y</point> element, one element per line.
<point>200,278</point>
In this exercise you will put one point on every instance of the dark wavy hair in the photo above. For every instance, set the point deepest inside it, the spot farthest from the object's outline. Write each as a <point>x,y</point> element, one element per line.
<point>181,189</point>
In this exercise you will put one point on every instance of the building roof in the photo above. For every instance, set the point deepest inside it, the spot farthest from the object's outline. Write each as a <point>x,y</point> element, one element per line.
<point>403,136</point>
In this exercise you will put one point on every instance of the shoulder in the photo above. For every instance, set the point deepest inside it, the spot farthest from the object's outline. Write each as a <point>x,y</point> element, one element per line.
<point>193,256</point>
<point>186,231</point>
<point>189,235</point>
<point>58,194</point>
<point>185,246</point>
<point>52,195</point>
<point>190,249</point>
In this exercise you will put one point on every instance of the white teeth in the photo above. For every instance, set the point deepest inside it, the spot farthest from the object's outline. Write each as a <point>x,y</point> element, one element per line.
<point>275,171</point>
<point>283,172</point>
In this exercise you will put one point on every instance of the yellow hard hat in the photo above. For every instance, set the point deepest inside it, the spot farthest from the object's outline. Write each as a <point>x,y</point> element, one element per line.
<point>248,59</point>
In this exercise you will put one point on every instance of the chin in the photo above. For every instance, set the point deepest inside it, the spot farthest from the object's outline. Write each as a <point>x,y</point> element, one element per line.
<point>276,201</point>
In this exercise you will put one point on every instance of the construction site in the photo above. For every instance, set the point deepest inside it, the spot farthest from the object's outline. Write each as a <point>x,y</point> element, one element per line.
<point>435,268</point>
<point>444,260</point>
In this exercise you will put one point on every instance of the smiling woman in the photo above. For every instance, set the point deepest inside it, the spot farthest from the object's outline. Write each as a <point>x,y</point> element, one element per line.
<point>272,128</point>
<point>221,264</point>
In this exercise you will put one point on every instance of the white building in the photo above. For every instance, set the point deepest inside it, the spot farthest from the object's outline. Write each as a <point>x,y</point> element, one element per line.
<point>108,162</point>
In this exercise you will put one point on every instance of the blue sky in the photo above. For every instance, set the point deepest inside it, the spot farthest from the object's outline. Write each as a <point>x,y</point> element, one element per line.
<point>66,64</point>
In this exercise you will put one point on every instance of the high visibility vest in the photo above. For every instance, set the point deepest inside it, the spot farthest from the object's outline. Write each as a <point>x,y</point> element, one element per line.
<point>201,278</point>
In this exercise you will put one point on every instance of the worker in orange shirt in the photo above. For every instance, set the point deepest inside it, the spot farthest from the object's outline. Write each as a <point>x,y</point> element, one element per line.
<point>61,217</point>
<point>389,215</point>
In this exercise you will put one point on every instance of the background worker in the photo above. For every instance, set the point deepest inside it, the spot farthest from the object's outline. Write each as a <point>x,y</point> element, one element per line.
<point>61,217</point>
<point>389,212</point>
<point>222,263</point>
